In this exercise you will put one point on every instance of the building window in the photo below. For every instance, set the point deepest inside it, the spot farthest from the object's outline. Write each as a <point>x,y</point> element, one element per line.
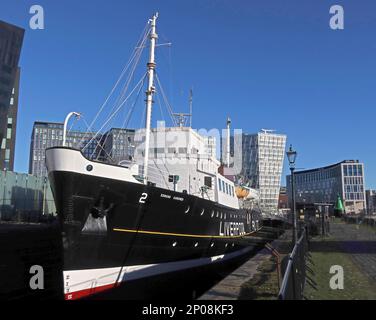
<point>10,120</point>
<point>9,133</point>
<point>7,154</point>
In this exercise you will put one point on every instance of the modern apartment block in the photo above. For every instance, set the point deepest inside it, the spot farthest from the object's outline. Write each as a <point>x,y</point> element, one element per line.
<point>323,185</point>
<point>11,38</point>
<point>118,144</point>
<point>50,134</point>
<point>262,164</point>
<point>115,145</point>
<point>257,160</point>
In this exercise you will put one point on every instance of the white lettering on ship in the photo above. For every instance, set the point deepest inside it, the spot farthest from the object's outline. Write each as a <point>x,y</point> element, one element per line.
<point>231,229</point>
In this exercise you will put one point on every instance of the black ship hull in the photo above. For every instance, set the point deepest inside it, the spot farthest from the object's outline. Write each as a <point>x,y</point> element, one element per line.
<point>116,231</point>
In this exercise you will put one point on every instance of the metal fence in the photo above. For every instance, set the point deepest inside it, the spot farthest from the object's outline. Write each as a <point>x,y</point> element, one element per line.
<point>294,270</point>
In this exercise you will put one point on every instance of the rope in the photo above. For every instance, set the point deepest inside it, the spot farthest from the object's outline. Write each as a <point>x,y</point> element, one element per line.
<point>127,83</point>
<point>130,112</point>
<point>144,33</point>
<point>117,110</point>
<point>166,100</point>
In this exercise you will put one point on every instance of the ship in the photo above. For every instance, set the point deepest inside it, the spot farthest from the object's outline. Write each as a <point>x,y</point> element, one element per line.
<point>173,210</point>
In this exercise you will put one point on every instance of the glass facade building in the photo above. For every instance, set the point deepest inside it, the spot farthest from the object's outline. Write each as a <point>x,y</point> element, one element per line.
<point>323,185</point>
<point>262,164</point>
<point>11,38</point>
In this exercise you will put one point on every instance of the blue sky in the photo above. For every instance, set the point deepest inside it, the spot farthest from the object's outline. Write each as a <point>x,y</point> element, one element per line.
<point>266,64</point>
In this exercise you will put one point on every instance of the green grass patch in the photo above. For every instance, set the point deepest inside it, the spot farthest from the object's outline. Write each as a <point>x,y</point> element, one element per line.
<point>356,285</point>
<point>264,285</point>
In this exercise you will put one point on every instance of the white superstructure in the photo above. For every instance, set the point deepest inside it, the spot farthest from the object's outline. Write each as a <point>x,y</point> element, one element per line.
<point>182,152</point>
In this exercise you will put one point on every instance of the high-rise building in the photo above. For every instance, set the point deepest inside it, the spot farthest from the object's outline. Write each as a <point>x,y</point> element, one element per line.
<point>114,146</point>
<point>118,145</point>
<point>50,134</point>
<point>324,185</point>
<point>371,201</point>
<point>257,159</point>
<point>11,38</point>
<point>262,164</point>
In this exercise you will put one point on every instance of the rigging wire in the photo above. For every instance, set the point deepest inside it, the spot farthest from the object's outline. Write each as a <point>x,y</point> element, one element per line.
<point>128,81</point>
<point>144,33</point>
<point>169,108</point>
<point>130,112</point>
<point>98,143</point>
<point>160,107</point>
<point>116,111</point>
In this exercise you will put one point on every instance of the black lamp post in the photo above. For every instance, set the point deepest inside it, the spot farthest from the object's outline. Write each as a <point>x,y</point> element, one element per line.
<point>291,156</point>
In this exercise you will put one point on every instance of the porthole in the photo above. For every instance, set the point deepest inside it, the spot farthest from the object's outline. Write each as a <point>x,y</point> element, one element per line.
<point>202,212</point>
<point>217,214</point>
<point>187,210</point>
<point>174,244</point>
<point>89,167</point>
<point>196,244</point>
<point>212,215</point>
<point>212,244</point>
<point>226,245</point>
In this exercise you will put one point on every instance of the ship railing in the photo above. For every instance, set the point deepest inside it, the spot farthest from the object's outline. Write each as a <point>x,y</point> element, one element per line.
<point>159,176</point>
<point>294,270</point>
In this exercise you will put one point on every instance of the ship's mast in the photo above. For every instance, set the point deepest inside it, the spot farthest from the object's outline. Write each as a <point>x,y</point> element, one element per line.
<point>149,92</point>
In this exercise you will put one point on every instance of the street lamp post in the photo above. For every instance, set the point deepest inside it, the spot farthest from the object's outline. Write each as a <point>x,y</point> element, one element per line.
<point>291,156</point>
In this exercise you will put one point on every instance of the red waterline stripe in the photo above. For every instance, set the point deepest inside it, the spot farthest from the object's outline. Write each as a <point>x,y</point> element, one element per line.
<point>87,292</point>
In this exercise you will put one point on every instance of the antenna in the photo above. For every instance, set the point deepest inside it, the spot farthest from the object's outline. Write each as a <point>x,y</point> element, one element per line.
<point>190,105</point>
<point>182,118</point>
<point>228,122</point>
<point>268,130</point>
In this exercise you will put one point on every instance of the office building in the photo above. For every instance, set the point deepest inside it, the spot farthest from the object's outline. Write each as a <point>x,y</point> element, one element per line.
<point>113,146</point>
<point>118,145</point>
<point>11,38</point>
<point>50,134</point>
<point>262,164</point>
<point>257,160</point>
<point>323,185</point>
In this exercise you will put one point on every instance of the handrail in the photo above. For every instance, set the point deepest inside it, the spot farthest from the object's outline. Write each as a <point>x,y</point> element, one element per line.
<point>291,277</point>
